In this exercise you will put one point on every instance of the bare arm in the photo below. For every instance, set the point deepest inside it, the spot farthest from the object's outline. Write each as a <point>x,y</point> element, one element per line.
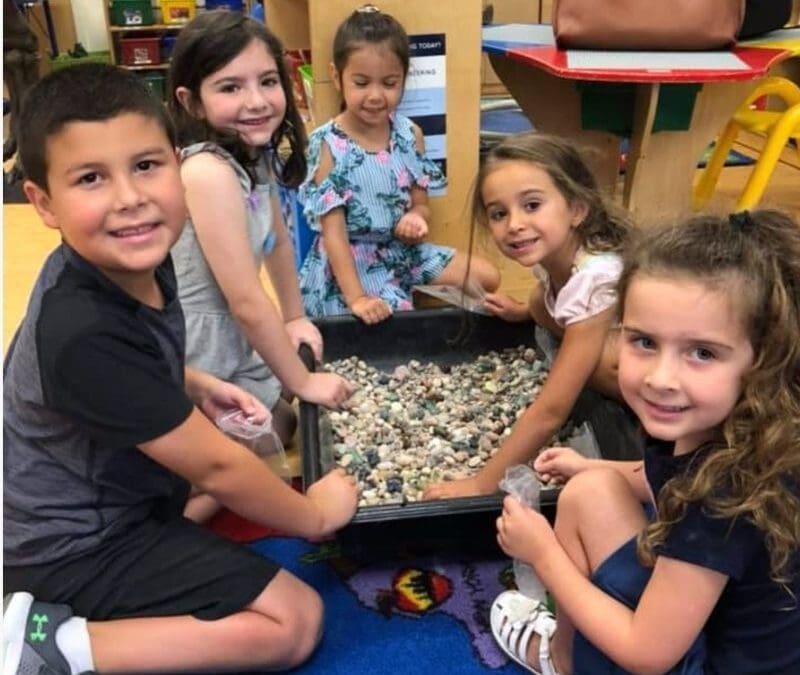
<point>214,199</point>
<point>335,240</point>
<point>577,358</point>
<point>240,481</point>
<point>337,247</point>
<point>280,266</point>
<point>539,312</point>
<point>419,196</point>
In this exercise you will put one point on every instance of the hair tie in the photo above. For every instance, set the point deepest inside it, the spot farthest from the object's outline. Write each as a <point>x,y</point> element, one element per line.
<point>368,9</point>
<point>741,221</point>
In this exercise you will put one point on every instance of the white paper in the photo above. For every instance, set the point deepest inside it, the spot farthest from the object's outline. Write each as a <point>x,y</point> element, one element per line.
<point>773,36</point>
<point>586,59</point>
<point>523,33</point>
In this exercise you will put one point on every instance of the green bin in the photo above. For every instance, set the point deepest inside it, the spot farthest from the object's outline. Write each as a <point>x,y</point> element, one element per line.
<point>132,13</point>
<point>65,60</point>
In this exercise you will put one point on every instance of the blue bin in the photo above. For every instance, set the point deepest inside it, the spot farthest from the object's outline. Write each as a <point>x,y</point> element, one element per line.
<point>300,233</point>
<point>167,44</point>
<point>233,5</point>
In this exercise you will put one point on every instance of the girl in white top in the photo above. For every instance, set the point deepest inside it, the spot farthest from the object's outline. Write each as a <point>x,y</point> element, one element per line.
<point>543,209</point>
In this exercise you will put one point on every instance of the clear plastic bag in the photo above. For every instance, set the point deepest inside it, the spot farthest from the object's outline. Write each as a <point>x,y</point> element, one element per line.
<point>471,298</point>
<point>521,482</point>
<point>583,442</point>
<point>260,438</point>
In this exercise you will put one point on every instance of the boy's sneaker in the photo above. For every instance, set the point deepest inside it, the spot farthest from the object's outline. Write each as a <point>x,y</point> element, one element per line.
<point>29,636</point>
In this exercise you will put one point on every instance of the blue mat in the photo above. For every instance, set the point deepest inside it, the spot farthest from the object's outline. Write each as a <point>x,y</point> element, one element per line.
<point>409,615</point>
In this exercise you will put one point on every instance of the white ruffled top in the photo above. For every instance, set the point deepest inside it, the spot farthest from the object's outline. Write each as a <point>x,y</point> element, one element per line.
<point>591,288</point>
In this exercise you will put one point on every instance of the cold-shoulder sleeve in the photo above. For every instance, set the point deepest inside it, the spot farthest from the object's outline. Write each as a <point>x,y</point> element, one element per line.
<point>424,171</point>
<point>332,191</point>
<point>591,289</point>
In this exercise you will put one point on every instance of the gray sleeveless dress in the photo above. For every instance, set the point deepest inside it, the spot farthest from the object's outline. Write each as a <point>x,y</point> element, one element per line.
<point>214,342</point>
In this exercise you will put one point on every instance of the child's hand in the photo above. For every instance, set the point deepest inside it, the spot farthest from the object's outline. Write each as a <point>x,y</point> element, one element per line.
<point>300,331</point>
<point>336,496</point>
<point>220,396</point>
<point>522,532</point>
<point>466,487</point>
<point>504,306</point>
<point>559,463</point>
<point>411,228</point>
<point>326,389</point>
<point>370,309</point>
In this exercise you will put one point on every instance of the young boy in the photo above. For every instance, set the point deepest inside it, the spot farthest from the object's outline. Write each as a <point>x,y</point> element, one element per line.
<point>103,431</point>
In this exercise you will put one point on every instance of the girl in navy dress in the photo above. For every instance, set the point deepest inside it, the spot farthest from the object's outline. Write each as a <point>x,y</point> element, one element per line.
<point>704,578</point>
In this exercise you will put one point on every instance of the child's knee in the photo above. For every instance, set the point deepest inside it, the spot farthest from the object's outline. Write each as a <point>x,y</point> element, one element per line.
<point>591,485</point>
<point>304,629</point>
<point>284,420</point>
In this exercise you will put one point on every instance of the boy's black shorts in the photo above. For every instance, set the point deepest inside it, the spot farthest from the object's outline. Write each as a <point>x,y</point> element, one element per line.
<point>155,569</point>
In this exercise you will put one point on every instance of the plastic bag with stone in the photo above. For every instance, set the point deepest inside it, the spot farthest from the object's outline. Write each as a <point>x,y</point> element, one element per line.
<point>521,482</point>
<point>260,438</point>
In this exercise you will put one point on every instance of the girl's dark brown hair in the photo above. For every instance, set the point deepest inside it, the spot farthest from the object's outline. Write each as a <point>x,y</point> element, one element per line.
<point>754,470</point>
<point>209,42</point>
<point>368,25</point>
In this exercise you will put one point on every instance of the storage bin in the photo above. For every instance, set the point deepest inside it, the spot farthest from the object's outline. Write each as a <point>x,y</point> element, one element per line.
<point>233,5</point>
<point>167,45</point>
<point>140,51</point>
<point>307,78</point>
<point>131,13</point>
<point>155,82</point>
<point>177,11</point>
<point>444,336</point>
<point>65,60</point>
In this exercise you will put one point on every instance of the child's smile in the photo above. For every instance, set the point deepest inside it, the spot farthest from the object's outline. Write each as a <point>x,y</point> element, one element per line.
<point>371,84</point>
<point>245,96</point>
<point>115,193</point>
<point>683,355</point>
<point>529,219</point>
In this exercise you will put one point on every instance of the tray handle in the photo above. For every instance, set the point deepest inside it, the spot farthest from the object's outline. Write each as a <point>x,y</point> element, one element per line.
<point>309,426</point>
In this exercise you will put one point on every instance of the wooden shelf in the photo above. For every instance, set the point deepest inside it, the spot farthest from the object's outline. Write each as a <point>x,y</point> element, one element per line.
<point>152,26</point>
<point>154,66</point>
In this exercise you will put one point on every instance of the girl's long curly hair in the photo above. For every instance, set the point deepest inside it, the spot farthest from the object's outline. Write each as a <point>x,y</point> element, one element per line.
<point>209,42</point>
<point>605,227</point>
<point>754,472</point>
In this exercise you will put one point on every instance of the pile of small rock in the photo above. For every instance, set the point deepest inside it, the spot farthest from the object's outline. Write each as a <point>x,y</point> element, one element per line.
<point>425,423</point>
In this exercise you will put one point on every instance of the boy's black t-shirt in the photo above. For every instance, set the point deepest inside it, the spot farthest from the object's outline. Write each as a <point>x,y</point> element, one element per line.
<point>755,626</point>
<point>90,374</point>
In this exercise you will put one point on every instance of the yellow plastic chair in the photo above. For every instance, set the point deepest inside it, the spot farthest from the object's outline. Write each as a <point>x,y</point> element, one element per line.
<point>777,126</point>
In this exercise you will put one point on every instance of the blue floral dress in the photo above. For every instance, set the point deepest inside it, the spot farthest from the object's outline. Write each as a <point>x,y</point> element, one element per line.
<point>374,189</point>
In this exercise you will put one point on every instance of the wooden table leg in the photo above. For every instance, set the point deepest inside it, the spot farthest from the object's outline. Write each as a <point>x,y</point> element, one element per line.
<point>553,106</point>
<point>661,167</point>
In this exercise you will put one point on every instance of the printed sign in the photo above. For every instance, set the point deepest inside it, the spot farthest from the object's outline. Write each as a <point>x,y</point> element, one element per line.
<point>425,98</point>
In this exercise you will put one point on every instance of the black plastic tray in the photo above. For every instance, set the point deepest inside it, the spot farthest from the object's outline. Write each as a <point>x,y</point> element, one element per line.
<point>442,336</point>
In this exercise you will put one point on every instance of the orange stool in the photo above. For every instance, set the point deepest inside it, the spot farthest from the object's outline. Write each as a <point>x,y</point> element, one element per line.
<point>777,126</point>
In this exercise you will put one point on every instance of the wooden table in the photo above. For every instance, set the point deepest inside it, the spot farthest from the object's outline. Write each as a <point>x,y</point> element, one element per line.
<point>670,114</point>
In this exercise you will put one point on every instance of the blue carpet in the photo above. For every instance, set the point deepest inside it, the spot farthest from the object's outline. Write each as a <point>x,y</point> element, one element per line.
<point>410,615</point>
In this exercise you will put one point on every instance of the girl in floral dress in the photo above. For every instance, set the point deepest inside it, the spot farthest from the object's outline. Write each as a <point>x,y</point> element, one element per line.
<point>366,188</point>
